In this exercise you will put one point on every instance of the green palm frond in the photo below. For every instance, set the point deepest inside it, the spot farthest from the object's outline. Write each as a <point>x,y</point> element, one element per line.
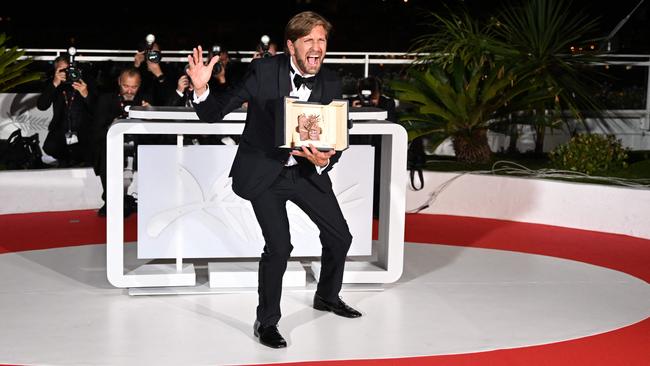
<point>13,70</point>
<point>460,98</point>
<point>542,32</point>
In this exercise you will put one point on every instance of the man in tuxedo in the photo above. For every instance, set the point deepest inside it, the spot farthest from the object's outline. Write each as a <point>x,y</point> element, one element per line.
<point>269,177</point>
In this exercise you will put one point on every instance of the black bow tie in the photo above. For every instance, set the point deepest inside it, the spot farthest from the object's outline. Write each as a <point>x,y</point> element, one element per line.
<point>299,80</point>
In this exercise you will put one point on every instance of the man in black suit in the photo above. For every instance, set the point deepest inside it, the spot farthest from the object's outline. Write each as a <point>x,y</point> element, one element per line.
<point>269,177</point>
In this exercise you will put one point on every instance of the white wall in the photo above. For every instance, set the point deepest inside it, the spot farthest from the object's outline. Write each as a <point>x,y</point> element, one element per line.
<point>49,190</point>
<point>575,205</point>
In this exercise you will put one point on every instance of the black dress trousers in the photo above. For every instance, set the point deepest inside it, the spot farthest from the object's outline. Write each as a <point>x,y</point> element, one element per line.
<point>271,212</point>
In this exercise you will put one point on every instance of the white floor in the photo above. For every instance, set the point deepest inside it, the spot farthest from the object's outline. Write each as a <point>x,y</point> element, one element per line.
<point>57,308</point>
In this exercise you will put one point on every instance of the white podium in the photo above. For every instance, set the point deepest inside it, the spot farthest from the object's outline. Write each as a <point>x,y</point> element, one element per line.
<point>383,265</point>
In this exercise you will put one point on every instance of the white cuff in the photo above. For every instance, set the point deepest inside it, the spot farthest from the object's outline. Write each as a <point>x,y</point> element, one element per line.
<point>202,98</point>
<point>319,169</point>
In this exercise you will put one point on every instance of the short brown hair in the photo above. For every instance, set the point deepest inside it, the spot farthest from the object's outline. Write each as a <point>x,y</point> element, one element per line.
<point>302,23</point>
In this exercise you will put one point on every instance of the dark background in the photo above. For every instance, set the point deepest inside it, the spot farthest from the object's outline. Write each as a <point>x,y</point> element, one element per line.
<point>369,25</point>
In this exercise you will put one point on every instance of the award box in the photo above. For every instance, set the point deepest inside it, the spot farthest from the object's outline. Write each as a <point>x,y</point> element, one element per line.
<point>323,125</point>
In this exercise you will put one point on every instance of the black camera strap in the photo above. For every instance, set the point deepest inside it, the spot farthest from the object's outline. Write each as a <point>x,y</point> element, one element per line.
<point>68,107</point>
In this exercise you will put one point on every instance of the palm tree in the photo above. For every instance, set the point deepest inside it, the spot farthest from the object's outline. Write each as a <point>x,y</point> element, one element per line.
<point>539,34</point>
<point>12,70</point>
<point>458,102</point>
<point>520,59</point>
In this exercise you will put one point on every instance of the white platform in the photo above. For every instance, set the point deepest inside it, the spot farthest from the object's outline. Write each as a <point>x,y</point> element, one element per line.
<point>152,275</point>
<point>244,274</point>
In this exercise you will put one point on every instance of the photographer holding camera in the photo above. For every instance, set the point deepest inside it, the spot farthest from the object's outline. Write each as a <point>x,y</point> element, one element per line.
<point>219,82</point>
<point>72,102</point>
<point>369,94</point>
<point>154,74</point>
<point>223,73</point>
<point>265,48</point>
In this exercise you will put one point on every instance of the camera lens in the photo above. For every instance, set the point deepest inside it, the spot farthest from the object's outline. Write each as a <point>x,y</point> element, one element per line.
<point>154,56</point>
<point>74,74</point>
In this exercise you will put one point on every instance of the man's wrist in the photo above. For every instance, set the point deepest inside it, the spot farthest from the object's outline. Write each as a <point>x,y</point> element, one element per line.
<point>200,91</point>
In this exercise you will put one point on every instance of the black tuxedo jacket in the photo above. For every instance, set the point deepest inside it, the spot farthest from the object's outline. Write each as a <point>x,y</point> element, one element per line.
<point>258,161</point>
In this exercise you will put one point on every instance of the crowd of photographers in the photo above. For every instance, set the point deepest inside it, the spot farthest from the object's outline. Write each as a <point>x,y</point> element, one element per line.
<point>86,102</point>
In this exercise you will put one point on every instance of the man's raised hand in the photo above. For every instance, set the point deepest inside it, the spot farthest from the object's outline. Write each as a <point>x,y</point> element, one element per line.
<point>198,71</point>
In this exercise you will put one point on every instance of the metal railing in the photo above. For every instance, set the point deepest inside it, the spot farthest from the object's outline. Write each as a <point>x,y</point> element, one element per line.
<point>357,58</point>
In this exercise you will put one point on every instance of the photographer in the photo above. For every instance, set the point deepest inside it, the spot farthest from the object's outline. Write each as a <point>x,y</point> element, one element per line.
<point>222,73</point>
<point>183,98</point>
<point>369,94</point>
<point>219,82</point>
<point>112,106</point>
<point>265,48</point>
<point>72,102</point>
<point>157,80</point>
<point>183,95</point>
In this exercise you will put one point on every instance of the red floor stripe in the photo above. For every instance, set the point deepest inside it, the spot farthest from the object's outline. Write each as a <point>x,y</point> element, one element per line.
<point>626,346</point>
<point>620,252</point>
<point>46,230</point>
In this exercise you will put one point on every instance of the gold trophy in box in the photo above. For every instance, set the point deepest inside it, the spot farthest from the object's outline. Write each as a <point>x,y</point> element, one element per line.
<point>324,126</point>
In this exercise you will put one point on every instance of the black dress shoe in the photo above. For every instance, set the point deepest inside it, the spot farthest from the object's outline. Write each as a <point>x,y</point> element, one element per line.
<point>269,335</point>
<point>338,307</point>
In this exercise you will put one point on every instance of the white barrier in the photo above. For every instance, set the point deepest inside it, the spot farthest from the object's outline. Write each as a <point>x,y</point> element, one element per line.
<point>582,206</point>
<point>575,205</point>
<point>384,266</point>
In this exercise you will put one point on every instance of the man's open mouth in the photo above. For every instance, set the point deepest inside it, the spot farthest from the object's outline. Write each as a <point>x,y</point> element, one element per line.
<point>313,60</point>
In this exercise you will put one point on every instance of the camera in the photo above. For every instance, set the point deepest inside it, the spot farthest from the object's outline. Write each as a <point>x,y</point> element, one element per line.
<point>150,54</point>
<point>153,56</point>
<point>264,46</point>
<point>368,87</point>
<point>125,106</point>
<point>215,51</point>
<point>365,97</point>
<point>72,72</point>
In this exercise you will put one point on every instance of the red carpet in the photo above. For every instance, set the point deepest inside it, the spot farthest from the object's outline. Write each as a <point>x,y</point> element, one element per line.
<point>626,346</point>
<point>45,230</point>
